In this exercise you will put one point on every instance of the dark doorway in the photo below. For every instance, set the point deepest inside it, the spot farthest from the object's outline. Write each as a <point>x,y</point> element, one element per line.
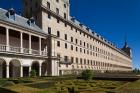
<point>25,71</point>
<point>2,68</point>
<point>35,66</point>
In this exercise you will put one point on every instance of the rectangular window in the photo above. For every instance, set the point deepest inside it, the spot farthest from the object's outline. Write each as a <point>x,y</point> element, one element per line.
<point>66,58</point>
<point>71,28</point>
<point>65,16</point>
<point>58,43</point>
<point>80,42</point>
<point>48,5</point>
<point>58,34</point>
<point>80,60</point>
<point>72,60</point>
<point>65,5</point>
<point>65,36</point>
<point>71,39</point>
<point>49,16</point>
<point>66,45</point>
<point>84,61</point>
<point>71,47</point>
<point>76,48</point>
<point>76,60</point>
<point>65,24</point>
<point>57,11</point>
<point>58,21</point>
<point>84,43</point>
<point>49,30</point>
<point>80,49</point>
<point>76,41</point>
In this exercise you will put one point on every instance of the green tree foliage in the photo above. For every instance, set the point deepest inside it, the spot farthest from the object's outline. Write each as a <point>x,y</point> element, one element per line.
<point>136,70</point>
<point>33,73</point>
<point>87,74</point>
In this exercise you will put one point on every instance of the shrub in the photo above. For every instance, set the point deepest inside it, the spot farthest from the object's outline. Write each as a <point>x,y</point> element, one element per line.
<point>33,73</point>
<point>87,75</point>
<point>72,90</point>
<point>8,83</point>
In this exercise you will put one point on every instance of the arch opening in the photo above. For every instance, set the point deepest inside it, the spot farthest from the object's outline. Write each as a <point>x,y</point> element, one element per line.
<point>2,68</point>
<point>35,66</point>
<point>14,68</point>
<point>44,69</point>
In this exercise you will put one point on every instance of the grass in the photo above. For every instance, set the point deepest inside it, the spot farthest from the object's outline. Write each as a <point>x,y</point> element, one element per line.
<point>62,84</point>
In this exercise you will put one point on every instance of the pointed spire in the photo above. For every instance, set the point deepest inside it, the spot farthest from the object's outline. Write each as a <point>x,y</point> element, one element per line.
<point>126,45</point>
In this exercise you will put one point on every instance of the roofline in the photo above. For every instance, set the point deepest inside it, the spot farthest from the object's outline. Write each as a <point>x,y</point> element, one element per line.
<point>23,28</point>
<point>71,23</point>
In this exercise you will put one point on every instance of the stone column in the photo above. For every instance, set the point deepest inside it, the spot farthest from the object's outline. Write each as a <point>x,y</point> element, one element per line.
<point>39,70</point>
<point>21,42</point>
<point>21,71</point>
<point>40,45</point>
<point>7,39</point>
<point>7,71</point>
<point>30,44</point>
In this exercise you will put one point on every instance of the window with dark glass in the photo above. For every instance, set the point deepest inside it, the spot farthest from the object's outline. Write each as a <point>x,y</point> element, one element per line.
<point>49,16</point>
<point>84,61</point>
<point>71,39</point>
<point>76,60</point>
<point>65,5</point>
<point>57,1</point>
<point>80,60</point>
<point>58,21</point>
<point>80,49</point>
<point>76,48</point>
<point>72,60</point>
<point>71,47</point>
<point>48,5</point>
<point>57,11</point>
<point>65,36</point>
<point>65,16</point>
<point>65,24</point>
<point>66,58</point>
<point>58,34</point>
<point>58,43</point>
<point>49,30</point>
<point>76,41</point>
<point>66,46</point>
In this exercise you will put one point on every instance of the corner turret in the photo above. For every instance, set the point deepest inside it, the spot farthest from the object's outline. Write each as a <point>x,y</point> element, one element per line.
<point>127,50</point>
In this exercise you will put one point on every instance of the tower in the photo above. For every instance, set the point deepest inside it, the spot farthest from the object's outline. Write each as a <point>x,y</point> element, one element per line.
<point>127,49</point>
<point>34,8</point>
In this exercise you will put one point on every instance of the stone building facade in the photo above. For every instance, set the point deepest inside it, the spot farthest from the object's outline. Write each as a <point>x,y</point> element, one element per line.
<point>57,45</point>
<point>76,44</point>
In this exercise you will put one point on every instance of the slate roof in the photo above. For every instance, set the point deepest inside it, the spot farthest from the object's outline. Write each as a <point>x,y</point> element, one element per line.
<point>20,21</point>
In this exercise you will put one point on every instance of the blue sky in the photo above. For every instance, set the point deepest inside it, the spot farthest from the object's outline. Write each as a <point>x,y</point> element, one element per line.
<point>113,19</point>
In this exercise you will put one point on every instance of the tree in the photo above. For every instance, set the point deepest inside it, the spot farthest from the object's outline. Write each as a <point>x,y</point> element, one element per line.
<point>87,74</point>
<point>33,73</point>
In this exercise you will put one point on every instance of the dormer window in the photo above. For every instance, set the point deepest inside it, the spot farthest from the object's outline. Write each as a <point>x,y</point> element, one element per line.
<point>31,21</point>
<point>93,33</point>
<point>81,24</point>
<point>11,14</point>
<point>73,19</point>
<point>87,28</point>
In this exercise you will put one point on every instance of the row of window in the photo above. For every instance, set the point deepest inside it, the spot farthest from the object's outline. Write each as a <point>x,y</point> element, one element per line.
<point>104,55</point>
<point>81,61</point>
<point>57,10</point>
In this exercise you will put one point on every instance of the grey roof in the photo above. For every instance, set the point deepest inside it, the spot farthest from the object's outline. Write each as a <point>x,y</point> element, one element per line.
<point>20,21</point>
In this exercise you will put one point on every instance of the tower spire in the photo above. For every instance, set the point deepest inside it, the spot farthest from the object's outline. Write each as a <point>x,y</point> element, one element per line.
<point>125,38</point>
